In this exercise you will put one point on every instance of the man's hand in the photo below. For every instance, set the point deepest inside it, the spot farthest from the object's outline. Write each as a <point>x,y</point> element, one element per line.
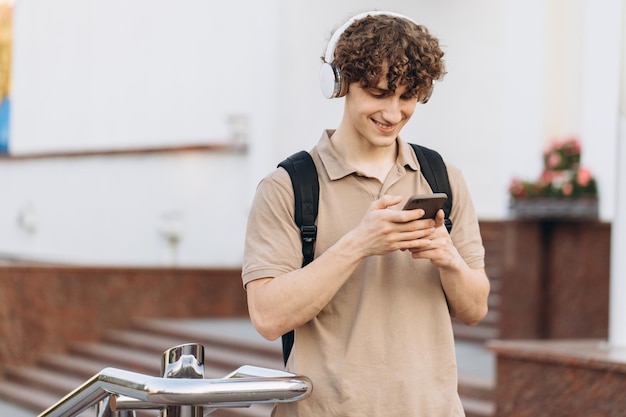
<point>383,230</point>
<point>437,246</point>
<point>466,289</point>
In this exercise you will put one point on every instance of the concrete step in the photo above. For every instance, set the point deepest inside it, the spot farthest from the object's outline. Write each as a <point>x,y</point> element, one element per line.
<point>478,333</point>
<point>30,398</point>
<point>492,318</point>
<point>54,382</point>
<point>80,367</point>
<point>477,396</point>
<point>148,342</point>
<point>475,387</point>
<point>118,357</point>
<point>237,336</point>
<point>494,301</point>
<point>478,408</point>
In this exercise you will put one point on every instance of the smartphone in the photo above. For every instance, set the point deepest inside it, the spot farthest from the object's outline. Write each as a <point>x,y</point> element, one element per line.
<point>430,203</point>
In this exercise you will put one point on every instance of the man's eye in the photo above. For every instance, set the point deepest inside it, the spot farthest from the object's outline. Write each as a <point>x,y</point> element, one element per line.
<point>377,93</point>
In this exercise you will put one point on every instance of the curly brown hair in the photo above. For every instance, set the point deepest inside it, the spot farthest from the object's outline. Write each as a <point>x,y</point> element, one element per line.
<point>379,44</point>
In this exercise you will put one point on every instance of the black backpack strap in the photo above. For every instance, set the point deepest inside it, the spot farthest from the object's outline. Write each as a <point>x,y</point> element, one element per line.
<point>435,172</point>
<point>306,191</point>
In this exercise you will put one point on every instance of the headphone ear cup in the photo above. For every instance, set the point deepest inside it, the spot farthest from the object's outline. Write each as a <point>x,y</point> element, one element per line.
<point>428,94</point>
<point>331,81</point>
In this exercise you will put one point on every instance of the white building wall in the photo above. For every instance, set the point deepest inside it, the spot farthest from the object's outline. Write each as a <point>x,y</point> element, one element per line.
<point>522,95</point>
<point>126,209</point>
<point>118,74</point>
<point>122,74</point>
<point>602,50</point>
<point>617,311</point>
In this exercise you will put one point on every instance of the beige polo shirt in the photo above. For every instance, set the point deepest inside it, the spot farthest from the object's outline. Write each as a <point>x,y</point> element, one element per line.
<point>384,345</point>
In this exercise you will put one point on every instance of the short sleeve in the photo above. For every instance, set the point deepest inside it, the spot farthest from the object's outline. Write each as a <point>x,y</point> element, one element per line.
<point>272,245</point>
<point>465,226</point>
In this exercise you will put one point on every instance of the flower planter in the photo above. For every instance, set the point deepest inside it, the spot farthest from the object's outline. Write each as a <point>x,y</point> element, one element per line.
<point>554,208</point>
<point>564,190</point>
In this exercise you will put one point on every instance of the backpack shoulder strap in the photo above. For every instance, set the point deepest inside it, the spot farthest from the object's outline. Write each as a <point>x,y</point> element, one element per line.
<point>306,190</point>
<point>435,172</point>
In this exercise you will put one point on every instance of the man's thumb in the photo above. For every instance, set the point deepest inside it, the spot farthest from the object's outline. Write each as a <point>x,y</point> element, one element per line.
<point>386,201</point>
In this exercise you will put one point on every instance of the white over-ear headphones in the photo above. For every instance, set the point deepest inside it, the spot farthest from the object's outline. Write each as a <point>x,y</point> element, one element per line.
<point>331,81</point>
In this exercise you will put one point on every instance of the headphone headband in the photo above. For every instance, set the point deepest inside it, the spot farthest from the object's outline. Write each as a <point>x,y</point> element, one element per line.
<point>331,80</point>
<point>329,56</point>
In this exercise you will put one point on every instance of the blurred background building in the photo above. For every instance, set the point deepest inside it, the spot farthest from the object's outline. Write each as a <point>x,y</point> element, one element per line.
<point>95,86</point>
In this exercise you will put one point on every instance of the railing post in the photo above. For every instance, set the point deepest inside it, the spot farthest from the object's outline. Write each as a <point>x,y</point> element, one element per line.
<point>103,409</point>
<point>183,361</point>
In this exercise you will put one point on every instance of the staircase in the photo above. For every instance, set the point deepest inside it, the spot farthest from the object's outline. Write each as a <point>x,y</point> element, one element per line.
<point>488,328</point>
<point>477,396</point>
<point>227,346</point>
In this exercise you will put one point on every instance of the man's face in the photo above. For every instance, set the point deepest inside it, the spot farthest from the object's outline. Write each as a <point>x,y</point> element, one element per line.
<point>376,114</point>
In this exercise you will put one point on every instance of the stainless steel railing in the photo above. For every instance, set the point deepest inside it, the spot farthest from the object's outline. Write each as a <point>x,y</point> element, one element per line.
<point>182,391</point>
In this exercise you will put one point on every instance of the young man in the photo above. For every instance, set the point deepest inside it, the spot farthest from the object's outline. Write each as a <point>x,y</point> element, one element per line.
<point>371,313</point>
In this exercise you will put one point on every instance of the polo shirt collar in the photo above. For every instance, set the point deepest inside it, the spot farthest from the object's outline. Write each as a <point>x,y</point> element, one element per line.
<point>337,168</point>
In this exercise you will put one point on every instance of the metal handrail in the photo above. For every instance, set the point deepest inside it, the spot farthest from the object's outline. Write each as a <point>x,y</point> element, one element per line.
<point>130,390</point>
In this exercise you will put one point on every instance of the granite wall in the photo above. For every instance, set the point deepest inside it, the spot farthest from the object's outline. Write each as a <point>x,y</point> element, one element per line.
<point>560,378</point>
<point>555,279</point>
<point>42,307</point>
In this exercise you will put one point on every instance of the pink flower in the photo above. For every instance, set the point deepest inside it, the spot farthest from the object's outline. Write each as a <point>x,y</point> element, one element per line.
<point>516,187</point>
<point>546,176</point>
<point>584,176</point>
<point>567,189</point>
<point>554,160</point>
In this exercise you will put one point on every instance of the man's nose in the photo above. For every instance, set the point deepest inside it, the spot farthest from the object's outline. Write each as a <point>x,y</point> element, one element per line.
<point>392,111</point>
